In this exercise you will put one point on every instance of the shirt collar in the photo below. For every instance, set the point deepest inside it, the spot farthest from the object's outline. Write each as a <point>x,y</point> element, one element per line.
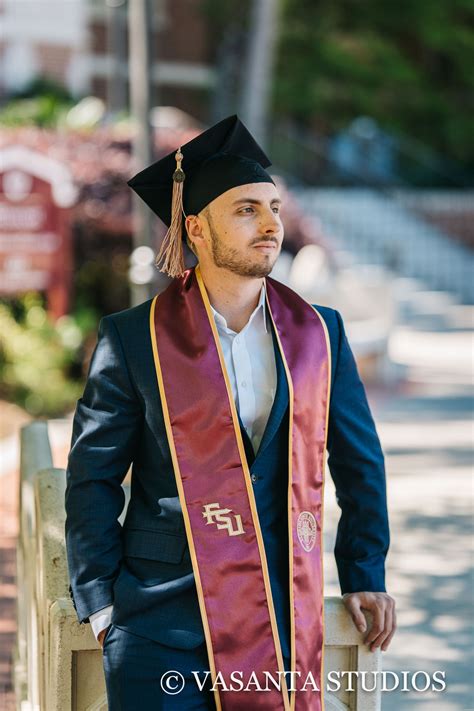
<point>220,320</point>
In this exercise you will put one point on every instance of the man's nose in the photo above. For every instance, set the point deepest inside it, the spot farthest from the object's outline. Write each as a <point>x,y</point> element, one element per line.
<point>270,223</point>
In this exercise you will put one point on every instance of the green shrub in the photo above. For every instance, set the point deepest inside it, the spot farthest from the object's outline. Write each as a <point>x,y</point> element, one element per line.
<point>39,358</point>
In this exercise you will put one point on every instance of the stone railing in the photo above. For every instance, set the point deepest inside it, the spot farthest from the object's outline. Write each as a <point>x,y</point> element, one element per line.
<point>59,663</point>
<point>35,454</point>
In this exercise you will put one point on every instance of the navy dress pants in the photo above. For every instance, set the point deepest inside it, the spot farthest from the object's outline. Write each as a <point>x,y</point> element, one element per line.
<point>136,670</point>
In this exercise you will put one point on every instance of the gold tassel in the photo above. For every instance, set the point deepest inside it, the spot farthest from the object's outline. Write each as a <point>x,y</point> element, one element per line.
<point>171,251</point>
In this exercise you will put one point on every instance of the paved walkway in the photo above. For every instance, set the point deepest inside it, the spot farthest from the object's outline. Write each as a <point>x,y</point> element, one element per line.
<point>11,419</point>
<point>425,426</point>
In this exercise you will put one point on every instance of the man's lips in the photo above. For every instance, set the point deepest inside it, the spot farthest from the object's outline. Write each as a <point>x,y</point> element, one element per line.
<point>265,245</point>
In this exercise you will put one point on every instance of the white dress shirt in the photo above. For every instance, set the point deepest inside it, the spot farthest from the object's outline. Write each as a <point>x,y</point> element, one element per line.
<point>250,364</point>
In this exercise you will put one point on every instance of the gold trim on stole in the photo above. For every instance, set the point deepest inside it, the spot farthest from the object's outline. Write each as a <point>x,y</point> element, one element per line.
<point>251,495</point>
<point>182,499</point>
<point>289,500</point>
<point>290,482</point>
<point>328,345</point>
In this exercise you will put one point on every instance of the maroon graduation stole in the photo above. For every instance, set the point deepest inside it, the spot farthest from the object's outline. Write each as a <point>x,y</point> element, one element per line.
<point>217,498</point>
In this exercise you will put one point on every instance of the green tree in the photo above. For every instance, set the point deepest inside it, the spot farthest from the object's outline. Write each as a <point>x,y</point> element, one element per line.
<point>407,64</point>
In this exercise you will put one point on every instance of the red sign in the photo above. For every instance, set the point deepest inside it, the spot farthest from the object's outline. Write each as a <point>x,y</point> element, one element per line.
<point>35,251</point>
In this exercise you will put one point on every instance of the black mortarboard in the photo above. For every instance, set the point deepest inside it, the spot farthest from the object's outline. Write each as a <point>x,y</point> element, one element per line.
<point>224,156</point>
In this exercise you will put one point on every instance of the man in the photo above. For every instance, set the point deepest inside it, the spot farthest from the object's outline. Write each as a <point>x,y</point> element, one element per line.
<point>225,392</point>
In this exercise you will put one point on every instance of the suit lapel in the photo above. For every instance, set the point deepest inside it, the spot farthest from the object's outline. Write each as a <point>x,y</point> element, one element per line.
<point>280,403</point>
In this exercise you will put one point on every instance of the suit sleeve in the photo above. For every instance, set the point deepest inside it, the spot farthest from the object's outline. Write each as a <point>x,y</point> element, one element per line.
<point>356,463</point>
<point>105,433</point>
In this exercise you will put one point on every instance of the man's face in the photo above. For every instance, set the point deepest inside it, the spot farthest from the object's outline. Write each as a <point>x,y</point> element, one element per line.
<point>243,231</point>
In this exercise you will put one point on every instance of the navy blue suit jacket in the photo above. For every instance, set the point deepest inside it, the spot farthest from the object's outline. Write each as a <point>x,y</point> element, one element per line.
<point>144,567</point>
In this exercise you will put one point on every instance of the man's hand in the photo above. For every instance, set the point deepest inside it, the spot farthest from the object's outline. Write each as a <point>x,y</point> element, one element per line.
<point>101,635</point>
<point>382,607</point>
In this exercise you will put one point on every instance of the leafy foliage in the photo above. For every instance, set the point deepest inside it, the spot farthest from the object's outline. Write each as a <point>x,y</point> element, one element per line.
<point>38,358</point>
<point>42,103</point>
<point>407,64</point>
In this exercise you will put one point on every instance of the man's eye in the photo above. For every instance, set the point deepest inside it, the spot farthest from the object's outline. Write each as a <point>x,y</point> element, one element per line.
<point>276,210</point>
<point>246,208</point>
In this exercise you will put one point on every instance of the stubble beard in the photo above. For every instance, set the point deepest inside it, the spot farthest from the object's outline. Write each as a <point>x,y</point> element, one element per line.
<point>229,258</point>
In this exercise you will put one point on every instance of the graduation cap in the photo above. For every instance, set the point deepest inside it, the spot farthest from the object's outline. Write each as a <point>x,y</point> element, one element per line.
<point>185,181</point>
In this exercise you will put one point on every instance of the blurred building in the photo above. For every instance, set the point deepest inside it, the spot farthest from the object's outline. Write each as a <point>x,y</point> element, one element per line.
<point>83,45</point>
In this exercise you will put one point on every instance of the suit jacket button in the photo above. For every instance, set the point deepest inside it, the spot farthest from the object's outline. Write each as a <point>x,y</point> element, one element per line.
<point>254,477</point>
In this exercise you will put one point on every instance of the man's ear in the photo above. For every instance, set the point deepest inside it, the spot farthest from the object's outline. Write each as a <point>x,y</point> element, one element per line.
<point>193,226</point>
<point>195,232</point>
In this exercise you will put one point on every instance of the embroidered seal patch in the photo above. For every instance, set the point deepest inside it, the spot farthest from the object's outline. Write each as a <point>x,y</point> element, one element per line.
<point>306,528</point>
